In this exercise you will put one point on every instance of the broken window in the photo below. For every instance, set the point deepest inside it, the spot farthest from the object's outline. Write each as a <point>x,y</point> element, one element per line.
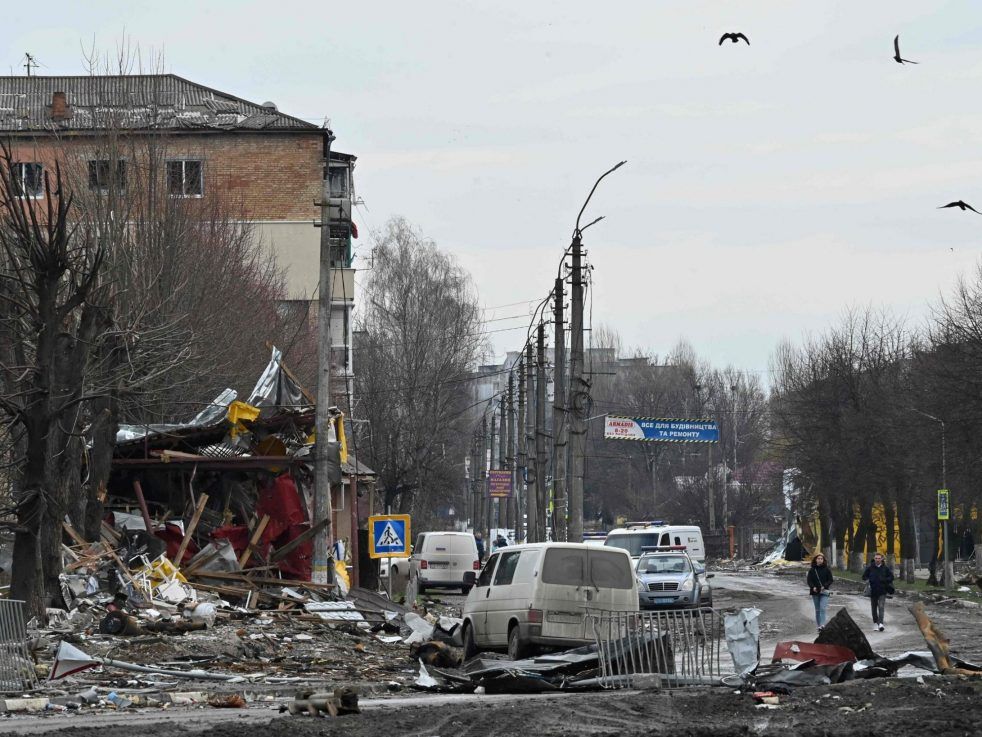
<point>185,178</point>
<point>103,175</point>
<point>28,179</point>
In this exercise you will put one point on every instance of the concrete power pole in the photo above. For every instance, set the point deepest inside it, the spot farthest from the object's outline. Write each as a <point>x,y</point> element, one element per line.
<point>476,481</point>
<point>579,394</point>
<point>322,421</point>
<point>560,428</point>
<point>532,497</point>
<point>483,502</point>
<point>501,504</point>
<point>540,435</point>
<point>492,463</point>
<point>522,465</point>
<point>510,457</point>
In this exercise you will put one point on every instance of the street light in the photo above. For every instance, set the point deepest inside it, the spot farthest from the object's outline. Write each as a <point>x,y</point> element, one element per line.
<point>949,566</point>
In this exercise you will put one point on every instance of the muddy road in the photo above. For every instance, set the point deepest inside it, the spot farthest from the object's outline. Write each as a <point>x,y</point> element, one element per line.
<point>897,707</point>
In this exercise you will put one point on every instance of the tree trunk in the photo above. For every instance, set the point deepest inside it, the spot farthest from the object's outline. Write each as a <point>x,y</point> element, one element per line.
<point>905,521</point>
<point>858,543</point>
<point>102,433</point>
<point>890,519</point>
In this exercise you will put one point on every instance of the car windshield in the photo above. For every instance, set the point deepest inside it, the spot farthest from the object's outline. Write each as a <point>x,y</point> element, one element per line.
<point>632,542</point>
<point>663,564</point>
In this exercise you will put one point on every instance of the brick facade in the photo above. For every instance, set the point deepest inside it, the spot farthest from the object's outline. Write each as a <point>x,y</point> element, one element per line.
<point>266,176</point>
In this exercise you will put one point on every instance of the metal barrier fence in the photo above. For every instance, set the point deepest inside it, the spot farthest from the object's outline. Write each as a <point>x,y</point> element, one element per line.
<point>16,667</point>
<point>664,649</point>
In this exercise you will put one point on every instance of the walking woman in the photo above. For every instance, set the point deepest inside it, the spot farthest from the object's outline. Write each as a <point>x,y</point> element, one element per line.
<point>819,584</point>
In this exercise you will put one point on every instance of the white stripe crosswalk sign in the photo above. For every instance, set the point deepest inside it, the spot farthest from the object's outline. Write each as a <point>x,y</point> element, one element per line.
<point>389,536</point>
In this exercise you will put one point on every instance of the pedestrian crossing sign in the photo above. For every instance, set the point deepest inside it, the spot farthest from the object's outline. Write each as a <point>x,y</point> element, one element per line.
<point>389,536</point>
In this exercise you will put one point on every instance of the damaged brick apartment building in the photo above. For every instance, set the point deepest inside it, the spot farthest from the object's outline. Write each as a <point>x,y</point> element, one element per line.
<point>271,164</point>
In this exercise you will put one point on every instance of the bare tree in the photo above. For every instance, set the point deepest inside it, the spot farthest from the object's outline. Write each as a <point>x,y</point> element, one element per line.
<point>53,306</point>
<point>419,338</point>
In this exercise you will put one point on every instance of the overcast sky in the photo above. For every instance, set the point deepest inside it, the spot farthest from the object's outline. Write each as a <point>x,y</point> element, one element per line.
<point>767,188</point>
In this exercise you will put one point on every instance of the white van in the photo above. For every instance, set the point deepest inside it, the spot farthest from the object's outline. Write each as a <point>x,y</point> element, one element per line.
<point>634,539</point>
<point>442,560</point>
<point>536,595</point>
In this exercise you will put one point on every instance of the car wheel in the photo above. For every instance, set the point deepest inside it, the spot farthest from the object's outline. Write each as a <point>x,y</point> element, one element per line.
<point>517,650</point>
<point>470,647</point>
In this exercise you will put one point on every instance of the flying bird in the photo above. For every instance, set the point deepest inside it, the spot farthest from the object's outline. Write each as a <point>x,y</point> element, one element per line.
<point>896,56</point>
<point>961,206</point>
<point>734,37</point>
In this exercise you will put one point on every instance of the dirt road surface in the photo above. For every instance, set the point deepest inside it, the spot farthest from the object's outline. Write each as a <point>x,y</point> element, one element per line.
<point>895,707</point>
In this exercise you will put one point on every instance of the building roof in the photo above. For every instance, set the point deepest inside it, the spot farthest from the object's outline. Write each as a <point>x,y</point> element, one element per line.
<point>135,102</point>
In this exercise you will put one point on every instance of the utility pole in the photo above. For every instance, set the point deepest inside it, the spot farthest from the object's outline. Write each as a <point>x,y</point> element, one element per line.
<point>483,502</point>
<point>726,489</point>
<point>578,399</point>
<point>710,475</point>
<point>492,461</point>
<point>949,566</point>
<point>534,482</point>
<point>522,468</point>
<point>540,434</point>
<point>476,482</point>
<point>579,393</point>
<point>502,459</point>
<point>510,505</point>
<point>559,425</point>
<point>322,418</point>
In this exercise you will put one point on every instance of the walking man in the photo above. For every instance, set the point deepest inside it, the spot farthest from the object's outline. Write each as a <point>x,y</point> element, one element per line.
<point>880,580</point>
<point>819,585</point>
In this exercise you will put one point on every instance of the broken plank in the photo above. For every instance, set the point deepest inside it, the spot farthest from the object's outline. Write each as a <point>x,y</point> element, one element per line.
<point>299,540</point>
<point>202,501</point>
<point>256,534</point>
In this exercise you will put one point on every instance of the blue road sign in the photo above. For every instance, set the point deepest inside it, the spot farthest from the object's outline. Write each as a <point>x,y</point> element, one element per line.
<point>389,536</point>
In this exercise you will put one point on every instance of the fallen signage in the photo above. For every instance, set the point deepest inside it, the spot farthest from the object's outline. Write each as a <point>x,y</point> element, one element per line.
<point>660,429</point>
<point>389,536</point>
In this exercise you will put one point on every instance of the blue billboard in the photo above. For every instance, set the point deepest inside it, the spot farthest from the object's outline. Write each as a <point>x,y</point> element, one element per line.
<point>661,429</point>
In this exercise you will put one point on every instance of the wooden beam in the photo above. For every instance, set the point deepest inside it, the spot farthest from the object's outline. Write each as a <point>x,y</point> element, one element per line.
<point>256,534</point>
<point>202,501</point>
<point>299,540</point>
<point>144,510</point>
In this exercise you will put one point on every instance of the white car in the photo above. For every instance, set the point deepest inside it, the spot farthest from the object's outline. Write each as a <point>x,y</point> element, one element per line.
<point>443,560</point>
<point>536,595</point>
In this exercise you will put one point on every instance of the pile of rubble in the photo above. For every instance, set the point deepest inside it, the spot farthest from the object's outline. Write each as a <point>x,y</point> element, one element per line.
<point>111,651</point>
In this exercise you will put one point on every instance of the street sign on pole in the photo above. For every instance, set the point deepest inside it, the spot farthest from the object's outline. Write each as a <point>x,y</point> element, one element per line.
<point>660,429</point>
<point>499,483</point>
<point>389,536</point>
<point>944,505</point>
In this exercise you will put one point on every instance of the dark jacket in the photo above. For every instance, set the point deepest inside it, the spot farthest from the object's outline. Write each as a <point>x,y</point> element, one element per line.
<point>820,578</point>
<point>880,579</point>
<point>480,548</point>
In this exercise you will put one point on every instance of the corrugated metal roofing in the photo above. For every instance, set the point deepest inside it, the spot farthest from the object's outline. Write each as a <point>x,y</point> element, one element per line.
<point>133,101</point>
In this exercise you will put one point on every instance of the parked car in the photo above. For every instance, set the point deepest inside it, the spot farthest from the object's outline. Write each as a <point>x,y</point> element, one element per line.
<point>443,560</point>
<point>669,579</point>
<point>634,538</point>
<point>536,595</point>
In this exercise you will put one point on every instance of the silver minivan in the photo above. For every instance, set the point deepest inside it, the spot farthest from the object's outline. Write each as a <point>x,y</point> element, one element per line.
<point>537,595</point>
